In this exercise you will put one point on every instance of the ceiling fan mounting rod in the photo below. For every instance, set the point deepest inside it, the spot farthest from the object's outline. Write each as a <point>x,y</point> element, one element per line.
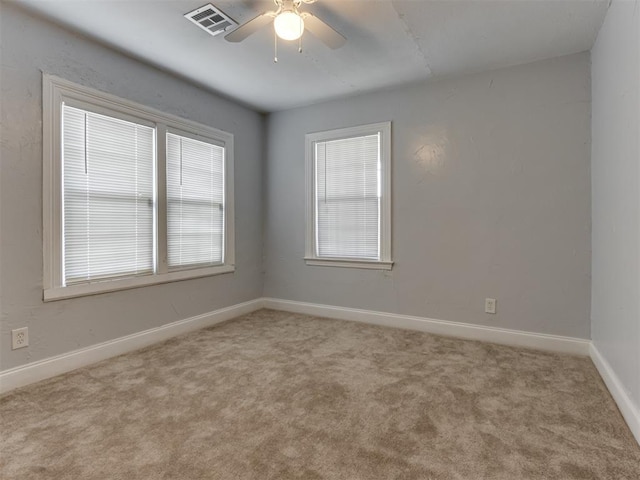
<point>288,5</point>
<point>295,3</point>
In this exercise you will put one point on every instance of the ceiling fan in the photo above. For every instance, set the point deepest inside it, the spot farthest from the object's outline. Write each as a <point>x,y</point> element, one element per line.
<point>289,24</point>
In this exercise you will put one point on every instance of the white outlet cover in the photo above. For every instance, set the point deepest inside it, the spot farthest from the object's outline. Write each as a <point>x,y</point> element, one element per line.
<point>490,305</point>
<point>19,338</point>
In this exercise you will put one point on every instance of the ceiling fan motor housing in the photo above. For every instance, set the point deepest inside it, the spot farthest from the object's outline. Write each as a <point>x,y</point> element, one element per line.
<point>289,24</point>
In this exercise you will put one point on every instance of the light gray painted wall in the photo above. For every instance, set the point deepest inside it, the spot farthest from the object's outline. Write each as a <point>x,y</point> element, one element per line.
<point>30,45</point>
<point>615,307</point>
<point>491,198</point>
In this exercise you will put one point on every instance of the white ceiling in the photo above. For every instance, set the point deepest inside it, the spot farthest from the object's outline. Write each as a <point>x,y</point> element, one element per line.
<point>388,42</point>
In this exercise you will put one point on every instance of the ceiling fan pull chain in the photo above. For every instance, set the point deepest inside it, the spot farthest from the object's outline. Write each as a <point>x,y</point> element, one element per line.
<point>301,33</point>
<point>275,47</point>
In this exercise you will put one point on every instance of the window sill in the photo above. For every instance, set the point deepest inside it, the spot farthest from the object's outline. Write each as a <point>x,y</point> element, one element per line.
<point>348,263</point>
<point>84,289</point>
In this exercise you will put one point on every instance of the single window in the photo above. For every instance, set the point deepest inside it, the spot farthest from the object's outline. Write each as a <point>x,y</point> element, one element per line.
<point>195,196</point>
<point>349,197</point>
<point>132,196</point>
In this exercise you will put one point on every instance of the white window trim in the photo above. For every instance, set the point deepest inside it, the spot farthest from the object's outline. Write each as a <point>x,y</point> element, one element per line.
<point>385,262</point>
<point>56,91</point>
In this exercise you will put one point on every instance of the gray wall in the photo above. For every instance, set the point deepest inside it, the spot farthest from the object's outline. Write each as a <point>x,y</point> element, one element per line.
<point>491,198</point>
<point>30,46</point>
<point>615,308</point>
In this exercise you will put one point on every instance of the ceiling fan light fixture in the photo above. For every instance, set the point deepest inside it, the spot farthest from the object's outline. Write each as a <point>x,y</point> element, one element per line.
<point>289,25</point>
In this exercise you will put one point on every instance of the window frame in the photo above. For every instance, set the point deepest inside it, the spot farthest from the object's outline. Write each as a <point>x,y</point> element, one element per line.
<point>385,262</point>
<point>57,91</point>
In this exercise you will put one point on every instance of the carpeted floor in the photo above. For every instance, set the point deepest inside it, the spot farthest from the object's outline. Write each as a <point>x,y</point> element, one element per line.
<point>275,395</point>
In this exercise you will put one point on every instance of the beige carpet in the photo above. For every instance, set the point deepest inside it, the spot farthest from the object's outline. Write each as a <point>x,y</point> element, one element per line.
<point>281,396</point>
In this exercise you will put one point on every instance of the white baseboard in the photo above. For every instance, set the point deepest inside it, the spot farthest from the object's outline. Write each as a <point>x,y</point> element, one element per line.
<point>50,367</point>
<point>517,338</point>
<point>629,410</point>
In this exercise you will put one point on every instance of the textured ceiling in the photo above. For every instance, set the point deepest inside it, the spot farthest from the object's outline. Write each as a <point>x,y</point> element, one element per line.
<point>388,42</point>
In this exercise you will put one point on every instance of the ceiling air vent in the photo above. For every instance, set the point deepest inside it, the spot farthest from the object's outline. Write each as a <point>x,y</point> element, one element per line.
<point>211,19</point>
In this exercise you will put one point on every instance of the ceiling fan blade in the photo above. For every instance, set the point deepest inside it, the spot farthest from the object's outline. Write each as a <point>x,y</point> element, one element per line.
<point>323,31</point>
<point>252,26</point>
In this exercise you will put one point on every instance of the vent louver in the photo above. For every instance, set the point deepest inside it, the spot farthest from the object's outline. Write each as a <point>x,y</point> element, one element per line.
<point>211,19</point>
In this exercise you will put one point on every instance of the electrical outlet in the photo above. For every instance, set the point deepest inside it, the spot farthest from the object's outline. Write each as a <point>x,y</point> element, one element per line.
<point>19,338</point>
<point>490,305</point>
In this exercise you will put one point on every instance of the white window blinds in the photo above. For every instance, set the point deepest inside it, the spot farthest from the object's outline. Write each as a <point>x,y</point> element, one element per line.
<point>108,196</point>
<point>347,197</point>
<point>195,202</point>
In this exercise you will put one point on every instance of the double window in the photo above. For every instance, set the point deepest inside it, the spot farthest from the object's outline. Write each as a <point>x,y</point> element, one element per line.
<point>348,197</point>
<point>132,196</point>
